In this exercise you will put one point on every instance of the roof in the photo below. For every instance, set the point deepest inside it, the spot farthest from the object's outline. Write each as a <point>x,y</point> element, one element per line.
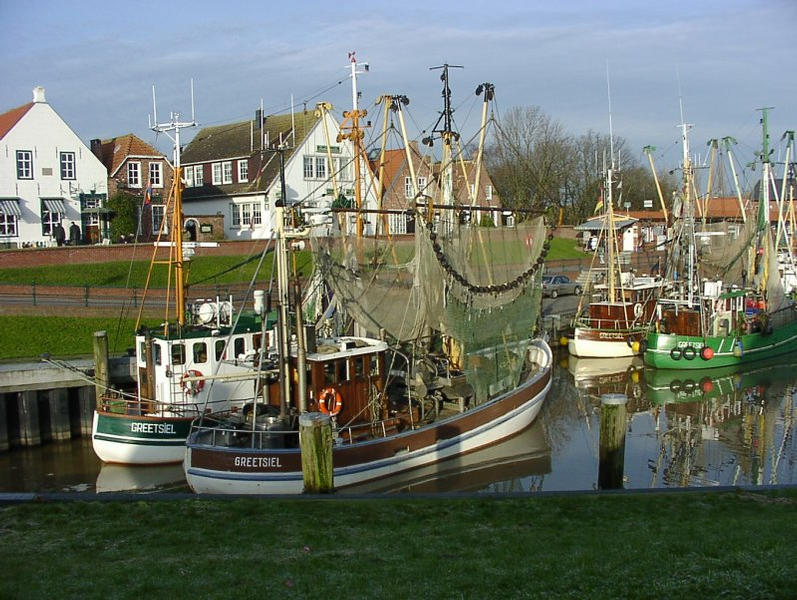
<point>598,223</point>
<point>114,151</point>
<point>234,140</point>
<point>12,117</point>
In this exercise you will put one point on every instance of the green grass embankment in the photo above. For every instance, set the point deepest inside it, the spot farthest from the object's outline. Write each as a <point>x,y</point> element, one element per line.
<point>689,545</point>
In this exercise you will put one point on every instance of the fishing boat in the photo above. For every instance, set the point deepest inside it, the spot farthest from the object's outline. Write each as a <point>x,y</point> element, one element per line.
<point>613,314</point>
<point>728,306</point>
<point>200,360</point>
<point>445,364</point>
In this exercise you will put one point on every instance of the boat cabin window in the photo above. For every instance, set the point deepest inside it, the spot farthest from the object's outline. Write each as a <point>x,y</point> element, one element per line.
<point>256,342</point>
<point>329,373</point>
<point>359,367</point>
<point>343,370</point>
<point>156,351</point>
<point>374,365</point>
<point>200,354</point>
<point>219,349</point>
<point>239,346</point>
<point>178,354</point>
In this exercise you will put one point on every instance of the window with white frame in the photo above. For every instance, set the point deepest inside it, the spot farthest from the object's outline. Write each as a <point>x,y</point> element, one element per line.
<point>488,192</point>
<point>188,176</point>
<point>308,167</point>
<point>216,174</point>
<point>156,174</point>
<point>243,171</point>
<point>257,217</point>
<point>246,214</point>
<point>8,225</point>
<point>408,191</point>
<point>91,219</point>
<point>235,213</point>
<point>134,174</point>
<point>199,175</point>
<point>159,224</point>
<point>227,171</point>
<point>397,222</point>
<point>67,165</point>
<point>320,167</point>
<point>24,164</point>
<point>50,220</point>
<point>422,185</point>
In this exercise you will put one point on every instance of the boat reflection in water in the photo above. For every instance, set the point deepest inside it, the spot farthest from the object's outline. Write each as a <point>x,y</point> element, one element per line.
<point>730,427</point>
<point>140,478</point>
<point>518,464</point>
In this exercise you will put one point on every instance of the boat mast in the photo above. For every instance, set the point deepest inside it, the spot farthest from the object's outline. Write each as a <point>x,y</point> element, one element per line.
<point>448,136</point>
<point>355,134</point>
<point>688,209</point>
<point>176,251</point>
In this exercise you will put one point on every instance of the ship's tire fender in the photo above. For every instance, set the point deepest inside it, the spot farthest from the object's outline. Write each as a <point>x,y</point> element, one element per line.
<point>330,402</point>
<point>689,353</point>
<point>638,310</point>
<point>675,386</point>
<point>643,346</point>
<point>675,353</point>
<point>688,386</point>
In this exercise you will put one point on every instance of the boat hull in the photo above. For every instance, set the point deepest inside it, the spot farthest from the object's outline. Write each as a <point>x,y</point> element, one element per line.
<point>669,351</point>
<point>588,342</point>
<point>139,440</point>
<point>219,470</point>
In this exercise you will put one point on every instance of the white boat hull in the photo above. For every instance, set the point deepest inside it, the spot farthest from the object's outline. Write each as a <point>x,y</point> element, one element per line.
<point>138,440</point>
<point>590,348</point>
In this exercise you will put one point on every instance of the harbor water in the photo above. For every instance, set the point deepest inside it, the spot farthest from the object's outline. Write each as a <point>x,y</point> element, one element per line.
<point>694,429</point>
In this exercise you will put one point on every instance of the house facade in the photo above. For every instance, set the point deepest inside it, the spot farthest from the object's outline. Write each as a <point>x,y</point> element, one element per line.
<point>234,171</point>
<point>139,171</point>
<point>49,179</point>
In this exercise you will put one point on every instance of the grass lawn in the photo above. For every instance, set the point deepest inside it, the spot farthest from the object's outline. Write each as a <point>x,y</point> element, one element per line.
<point>62,337</point>
<point>657,545</point>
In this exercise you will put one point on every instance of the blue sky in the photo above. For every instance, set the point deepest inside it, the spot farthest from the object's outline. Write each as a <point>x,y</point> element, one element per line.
<point>98,61</point>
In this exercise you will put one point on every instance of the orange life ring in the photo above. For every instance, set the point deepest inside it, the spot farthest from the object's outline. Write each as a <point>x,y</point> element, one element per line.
<point>192,388</point>
<point>330,401</point>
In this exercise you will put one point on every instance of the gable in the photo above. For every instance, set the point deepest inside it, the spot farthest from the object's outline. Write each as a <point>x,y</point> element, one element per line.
<point>114,151</point>
<point>12,117</point>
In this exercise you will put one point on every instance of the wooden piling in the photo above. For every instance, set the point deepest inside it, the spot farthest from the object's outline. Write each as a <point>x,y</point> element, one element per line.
<point>4,443</point>
<point>29,431</point>
<point>58,406</point>
<point>315,439</point>
<point>101,371</point>
<point>612,441</point>
<point>86,404</point>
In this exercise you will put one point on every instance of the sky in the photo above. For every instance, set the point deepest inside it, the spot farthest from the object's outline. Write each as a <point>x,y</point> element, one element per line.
<point>98,61</point>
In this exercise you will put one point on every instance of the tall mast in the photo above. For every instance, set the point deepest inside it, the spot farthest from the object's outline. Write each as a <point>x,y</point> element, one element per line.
<point>765,168</point>
<point>355,134</point>
<point>448,136</point>
<point>688,208</point>
<point>175,125</point>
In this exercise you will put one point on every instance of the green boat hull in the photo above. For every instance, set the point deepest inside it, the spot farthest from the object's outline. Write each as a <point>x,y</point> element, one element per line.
<point>684,352</point>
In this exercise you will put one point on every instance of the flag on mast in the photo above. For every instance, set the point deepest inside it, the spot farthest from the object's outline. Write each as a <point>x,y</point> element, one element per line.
<point>148,194</point>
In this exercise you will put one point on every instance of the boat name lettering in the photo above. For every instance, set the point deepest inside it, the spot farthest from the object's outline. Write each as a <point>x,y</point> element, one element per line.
<point>272,462</point>
<point>152,428</point>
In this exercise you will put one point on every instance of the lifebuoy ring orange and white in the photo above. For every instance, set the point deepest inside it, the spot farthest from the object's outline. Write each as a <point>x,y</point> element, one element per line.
<point>330,401</point>
<point>192,388</point>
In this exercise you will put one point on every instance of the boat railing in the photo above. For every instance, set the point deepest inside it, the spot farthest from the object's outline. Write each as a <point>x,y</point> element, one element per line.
<point>613,324</point>
<point>116,402</point>
<point>357,432</point>
<point>271,435</point>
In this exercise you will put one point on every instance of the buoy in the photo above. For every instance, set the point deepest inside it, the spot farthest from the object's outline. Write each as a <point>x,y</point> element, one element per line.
<point>707,353</point>
<point>635,347</point>
<point>706,385</point>
<point>738,349</point>
<point>563,341</point>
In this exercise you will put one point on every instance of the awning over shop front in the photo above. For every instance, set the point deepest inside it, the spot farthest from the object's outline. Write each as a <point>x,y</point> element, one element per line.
<point>54,205</point>
<point>10,207</point>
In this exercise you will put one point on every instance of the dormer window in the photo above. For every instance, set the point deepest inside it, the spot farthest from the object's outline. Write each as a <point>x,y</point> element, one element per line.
<point>227,168</point>
<point>243,171</point>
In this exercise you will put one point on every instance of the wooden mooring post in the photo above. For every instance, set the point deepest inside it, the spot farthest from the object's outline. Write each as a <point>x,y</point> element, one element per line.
<point>315,440</point>
<point>612,441</point>
<point>29,430</point>
<point>5,444</point>
<point>58,405</point>
<point>101,371</point>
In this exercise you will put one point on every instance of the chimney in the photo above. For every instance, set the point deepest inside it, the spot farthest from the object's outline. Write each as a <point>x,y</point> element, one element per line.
<point>96,148</point>
<point>38,94</point>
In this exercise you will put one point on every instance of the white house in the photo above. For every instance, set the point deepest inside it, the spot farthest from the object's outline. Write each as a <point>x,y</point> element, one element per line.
<point>47,176</point>
<point>234,170</point>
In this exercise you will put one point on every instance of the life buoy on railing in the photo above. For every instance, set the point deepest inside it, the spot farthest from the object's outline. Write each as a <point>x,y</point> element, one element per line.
<point>675,354</point>
<point>689,352</point>
<point>330,401</point>
<point>637,310</point>
<point>192,388</point>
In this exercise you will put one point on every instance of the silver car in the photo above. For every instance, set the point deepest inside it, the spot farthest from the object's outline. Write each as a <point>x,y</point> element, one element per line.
<point>558,285</point>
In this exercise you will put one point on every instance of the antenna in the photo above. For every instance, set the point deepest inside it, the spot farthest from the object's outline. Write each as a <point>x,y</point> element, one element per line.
<point>154,108</point>
<point>193,118</point>
<point>611,132</point>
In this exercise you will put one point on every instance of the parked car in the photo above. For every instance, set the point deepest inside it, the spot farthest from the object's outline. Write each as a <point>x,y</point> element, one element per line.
<point>558,285</point>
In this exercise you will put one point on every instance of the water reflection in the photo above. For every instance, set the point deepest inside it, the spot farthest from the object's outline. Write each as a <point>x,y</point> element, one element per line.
<point>721,427</point>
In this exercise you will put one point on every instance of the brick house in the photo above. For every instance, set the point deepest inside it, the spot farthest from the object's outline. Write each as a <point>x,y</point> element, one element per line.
<point>134,167</point>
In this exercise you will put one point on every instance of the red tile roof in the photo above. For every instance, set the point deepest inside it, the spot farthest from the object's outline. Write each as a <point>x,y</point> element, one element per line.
<point>115,150</point>
<point>12,117</point>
